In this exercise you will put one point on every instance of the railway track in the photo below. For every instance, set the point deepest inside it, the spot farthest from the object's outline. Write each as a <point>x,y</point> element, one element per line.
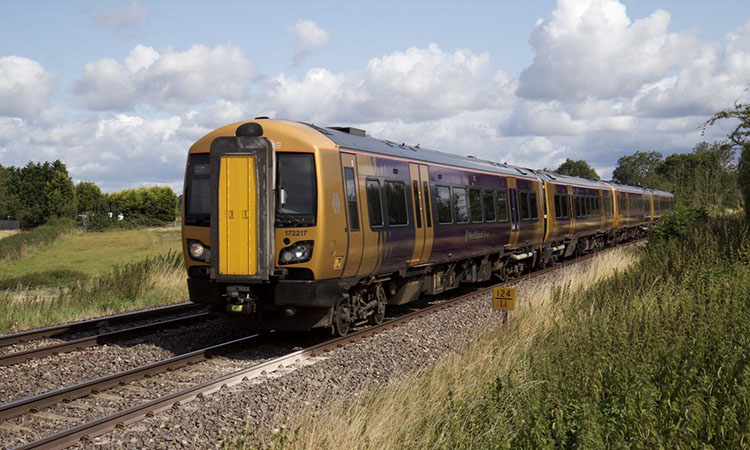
<point>125,416</point>
<point>93,325</point>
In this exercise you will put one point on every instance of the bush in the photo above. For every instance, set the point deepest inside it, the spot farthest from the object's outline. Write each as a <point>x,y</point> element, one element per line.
<point>678,222</point>
<point>48,278</point>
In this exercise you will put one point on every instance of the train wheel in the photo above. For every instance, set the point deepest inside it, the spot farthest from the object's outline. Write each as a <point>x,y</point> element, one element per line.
<point>342,318</point>
<point>377,316</point>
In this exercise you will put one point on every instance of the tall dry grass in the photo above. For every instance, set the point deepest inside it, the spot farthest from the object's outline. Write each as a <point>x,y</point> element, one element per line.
<point>413,411</point>
<point>154,281</point>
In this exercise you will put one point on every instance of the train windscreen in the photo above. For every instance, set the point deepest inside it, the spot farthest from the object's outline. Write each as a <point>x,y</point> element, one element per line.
<point>296,203</point>
<point>198,190</point>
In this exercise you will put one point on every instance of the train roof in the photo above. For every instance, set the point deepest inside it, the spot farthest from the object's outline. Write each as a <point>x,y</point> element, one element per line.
<point>355,139</point>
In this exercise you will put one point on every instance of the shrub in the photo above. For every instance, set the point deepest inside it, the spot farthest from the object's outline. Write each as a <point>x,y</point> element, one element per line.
<point>678,222</point>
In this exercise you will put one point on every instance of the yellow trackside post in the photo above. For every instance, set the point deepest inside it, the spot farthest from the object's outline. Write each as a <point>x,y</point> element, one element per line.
<point>238,215</point>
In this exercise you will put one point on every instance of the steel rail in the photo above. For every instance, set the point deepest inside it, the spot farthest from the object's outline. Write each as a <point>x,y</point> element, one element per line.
<point>91,341</point>
<point>69,393</point>
<point>85,325</point>
<point>136,413</point>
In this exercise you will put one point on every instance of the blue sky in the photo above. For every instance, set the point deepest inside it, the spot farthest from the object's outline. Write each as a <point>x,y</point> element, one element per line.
<point>118,90</point>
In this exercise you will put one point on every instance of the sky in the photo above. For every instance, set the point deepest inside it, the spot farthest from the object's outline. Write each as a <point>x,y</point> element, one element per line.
<point>119,90</point>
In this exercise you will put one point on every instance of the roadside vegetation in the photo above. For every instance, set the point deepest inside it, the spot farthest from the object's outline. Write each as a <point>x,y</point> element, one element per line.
<point>653,356</point>
<point>153,281</point>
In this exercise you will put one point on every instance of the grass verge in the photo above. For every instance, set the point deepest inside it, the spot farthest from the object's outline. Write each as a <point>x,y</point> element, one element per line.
<point>652,357</point>
<point>17,245</point>
<point>154,281</point>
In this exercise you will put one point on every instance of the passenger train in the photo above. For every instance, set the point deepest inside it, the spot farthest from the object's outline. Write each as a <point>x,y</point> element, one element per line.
<point>294,226</point>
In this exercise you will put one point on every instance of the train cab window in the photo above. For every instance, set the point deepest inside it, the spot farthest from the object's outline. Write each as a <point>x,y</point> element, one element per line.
<point>198,190</point>
<point>417,206</point>
<point>351,198</point>
<point>297,191</point>
<point>533,207</point>
<point>462,206</point>
<point>374,203</point>
<point>524,201</point>
<point>488,201</point>
<point>502,205</point>
<point>427,210</point>
<point>395,202</point>
<point>443,204</point>
<point>475,204</point>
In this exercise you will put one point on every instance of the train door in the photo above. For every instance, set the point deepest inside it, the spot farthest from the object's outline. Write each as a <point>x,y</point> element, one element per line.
<point>420,190</point>
<point>353,215</point>
<point>514,219</point>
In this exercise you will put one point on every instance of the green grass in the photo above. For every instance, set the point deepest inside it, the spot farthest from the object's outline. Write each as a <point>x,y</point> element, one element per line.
<point>653,357</point>
<point>80,255</point>
<point>18,245</point>
<point>154,281</point>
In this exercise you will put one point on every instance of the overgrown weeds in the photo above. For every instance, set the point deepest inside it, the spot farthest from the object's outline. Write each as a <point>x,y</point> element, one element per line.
<point>153,281</point>
<point>654,356</point>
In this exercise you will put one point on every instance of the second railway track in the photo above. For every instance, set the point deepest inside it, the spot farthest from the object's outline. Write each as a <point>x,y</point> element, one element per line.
<point>127,415</point>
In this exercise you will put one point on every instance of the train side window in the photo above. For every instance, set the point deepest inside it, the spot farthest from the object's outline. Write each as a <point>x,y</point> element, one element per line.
<point>427,210</point>
<point>351,198</point>
<point>598,206</point>
<point>417,205</point>
<point>489,206</point>
<point>462,206</point>
<point>443,204</point>
<point>395,201</point>
<point>533,206</point>
<point>374,203</point>
<point>525,213</point>
<point>502,205</point>
<point>564,206</point>
<point>558,207</point>
<point>475,204</point>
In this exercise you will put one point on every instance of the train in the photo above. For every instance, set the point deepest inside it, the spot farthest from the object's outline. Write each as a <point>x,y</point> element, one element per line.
<point>292,226</point>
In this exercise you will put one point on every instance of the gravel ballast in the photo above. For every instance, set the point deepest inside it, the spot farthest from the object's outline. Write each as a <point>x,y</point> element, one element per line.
<point>269,403</point>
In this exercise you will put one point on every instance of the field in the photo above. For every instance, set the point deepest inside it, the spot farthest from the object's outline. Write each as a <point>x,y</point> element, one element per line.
<point>80,255</point>
<point>81,275</point>
<point>655,356</point>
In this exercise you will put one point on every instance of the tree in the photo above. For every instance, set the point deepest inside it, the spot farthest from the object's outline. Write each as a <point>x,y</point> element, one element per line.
<point>90,198</point>
<point>637,169</point>
<point>39,191</point>
<point>739,138</point>
<point>578,168</point>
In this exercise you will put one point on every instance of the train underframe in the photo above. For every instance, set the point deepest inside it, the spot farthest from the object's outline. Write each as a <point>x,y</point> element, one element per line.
<point>340,304</point>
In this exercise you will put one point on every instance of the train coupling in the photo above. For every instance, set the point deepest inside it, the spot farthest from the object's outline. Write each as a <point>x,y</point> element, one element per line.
<point>240,300</point>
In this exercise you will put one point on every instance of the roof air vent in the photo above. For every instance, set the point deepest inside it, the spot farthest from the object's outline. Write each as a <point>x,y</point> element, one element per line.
<point>350,130</point>
<point>261,117</point>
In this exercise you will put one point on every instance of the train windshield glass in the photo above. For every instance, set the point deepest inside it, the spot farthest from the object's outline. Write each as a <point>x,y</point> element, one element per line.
<point>198,190</point>
<point>296,202</point>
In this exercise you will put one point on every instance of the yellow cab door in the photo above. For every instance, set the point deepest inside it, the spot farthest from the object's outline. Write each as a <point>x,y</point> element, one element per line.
<point>240,233</point>
<point>353,215</point>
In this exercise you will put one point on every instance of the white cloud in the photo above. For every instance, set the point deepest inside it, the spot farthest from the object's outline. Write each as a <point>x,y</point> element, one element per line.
<point>25,87</point>
<point>127,16</point>
<point>169,81</point>
<point>591,49</point>
<point>416,84</point>
<point>308,34</point>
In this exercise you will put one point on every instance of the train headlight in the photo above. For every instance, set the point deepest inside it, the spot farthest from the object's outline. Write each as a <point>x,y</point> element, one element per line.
<point>198,251</point>
<point>297,253</point>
